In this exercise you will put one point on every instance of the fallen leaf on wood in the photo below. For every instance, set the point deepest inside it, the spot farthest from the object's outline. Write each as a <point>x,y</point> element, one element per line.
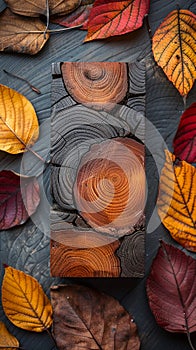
<point>19,198</point>
<point>24,301</point>
<point>176,200</point>
<point>114,17</point>
<point>171,287</point>
<point>39,7</point>
<point>88,319</point>
<point>77,17</point>
<point>21,34</point>
<point>185,139</point>
<point>174,47</point>
<point>19,126</point>
<point>7,339</point>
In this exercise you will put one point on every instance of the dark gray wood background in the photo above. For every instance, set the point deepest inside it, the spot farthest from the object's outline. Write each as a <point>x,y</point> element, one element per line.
<point>27,247</point>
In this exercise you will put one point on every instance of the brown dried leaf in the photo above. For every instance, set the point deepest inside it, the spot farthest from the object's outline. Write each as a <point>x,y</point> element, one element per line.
<point>87,319</point>
<point>39,7</point>
<point>15,33</point>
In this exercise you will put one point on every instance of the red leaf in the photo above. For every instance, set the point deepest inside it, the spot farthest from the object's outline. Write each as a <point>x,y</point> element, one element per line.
<point>19,198</point>
<point>185,139</point>
<point>77,17</point>
<point>115,17</point>
<point>171,288</point>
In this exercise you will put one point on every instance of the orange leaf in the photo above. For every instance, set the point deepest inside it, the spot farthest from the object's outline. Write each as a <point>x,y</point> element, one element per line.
<point>7,339</point>
<point>18,121</point>
<point>25,302</point>
<point>114,17</point>
<point>174,48</point>
<point>177,201</point>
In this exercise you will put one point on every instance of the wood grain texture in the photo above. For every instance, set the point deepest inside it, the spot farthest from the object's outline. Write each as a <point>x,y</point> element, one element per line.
<point>97,171</point>
<point>160,98</point>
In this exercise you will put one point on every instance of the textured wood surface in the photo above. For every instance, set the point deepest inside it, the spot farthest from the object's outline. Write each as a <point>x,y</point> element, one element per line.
<point>27,248</point>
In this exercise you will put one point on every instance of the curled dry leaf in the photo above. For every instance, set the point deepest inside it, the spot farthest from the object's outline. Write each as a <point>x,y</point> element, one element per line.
<point>16,36</point>
<point>19,126</point>
<point>185,139</point>
<point>114,17</point>
<point>109,189</point>
<point>176,200</point>
<point>7,339</point>
<point>24,301</point>
<point>78,17</point>
<point>174,47</point>
<point>19,198</point>
<point>85,318</point>
<point>96,84</point>
<point>36,8</point>
<point>171,287</point>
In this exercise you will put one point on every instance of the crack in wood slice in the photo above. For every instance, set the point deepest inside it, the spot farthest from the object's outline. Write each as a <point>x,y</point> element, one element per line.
<point>99,85</point>
<point>131,255</point>
<point>77,253</point>
<point>72,139</point>
<point>109,190</point>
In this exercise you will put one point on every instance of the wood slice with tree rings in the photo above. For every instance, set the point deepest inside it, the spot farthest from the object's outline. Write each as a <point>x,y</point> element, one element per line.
<point>131,254</point>
<point>77,253</point>
<point>109,190</point>
<point>73,131</point>
<point>99,85</point>
<point>134,118</point>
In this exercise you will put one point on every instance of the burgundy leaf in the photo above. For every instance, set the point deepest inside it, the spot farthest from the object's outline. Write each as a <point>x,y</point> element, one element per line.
<point>185,139</point>
<point>171,290</point>
<point>78,17</point>
<point>19,198</point>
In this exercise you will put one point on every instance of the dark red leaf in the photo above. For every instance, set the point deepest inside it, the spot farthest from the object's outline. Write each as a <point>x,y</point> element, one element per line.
<point>77,17</point>
<point>171,289</point>
<point>19,198</point>
<point>115,17</point>
<point>185,139</point>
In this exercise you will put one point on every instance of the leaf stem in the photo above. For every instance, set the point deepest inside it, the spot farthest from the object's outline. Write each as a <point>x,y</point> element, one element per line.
<point>21,141</point>
<point>51,336</point>
<point>189,341</point>
<point>47,30</point>
<point>23,79</point>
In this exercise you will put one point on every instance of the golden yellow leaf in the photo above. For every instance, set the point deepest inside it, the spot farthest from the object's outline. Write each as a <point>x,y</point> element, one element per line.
<point>25,302</point>
<point>7,339</point>
<point>174,48</point>
<point>17,119</point>
<point>177,200</point>
<point>21,34</point>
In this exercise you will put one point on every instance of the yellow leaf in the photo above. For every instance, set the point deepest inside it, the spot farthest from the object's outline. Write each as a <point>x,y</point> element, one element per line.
<point>25,302</point>
<point>18,121</point>
<point>177,201</point>
<point>7,339</point>
<point>174,48</point>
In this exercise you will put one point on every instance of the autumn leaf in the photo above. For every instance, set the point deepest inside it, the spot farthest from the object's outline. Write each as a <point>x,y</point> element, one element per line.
<point>19,126</point>
<point>7,339</point>
<point>25,302</point>
<point>174,48</point>
<point>176,200</point>
<point>88,319</point>
<point>185,139</point>
<point>171,287</point>
<point>114,17</point>
<point>77,17</point>
<point>15,33</point>
<point>19,198</point>
<point>36,8</point>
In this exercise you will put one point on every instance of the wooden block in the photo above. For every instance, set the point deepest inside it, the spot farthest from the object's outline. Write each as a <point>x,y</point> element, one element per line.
<point>98,169</point>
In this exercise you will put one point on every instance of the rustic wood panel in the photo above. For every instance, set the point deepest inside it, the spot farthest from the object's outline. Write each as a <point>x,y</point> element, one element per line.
<point>92,131</point>
<point>162,102</point>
